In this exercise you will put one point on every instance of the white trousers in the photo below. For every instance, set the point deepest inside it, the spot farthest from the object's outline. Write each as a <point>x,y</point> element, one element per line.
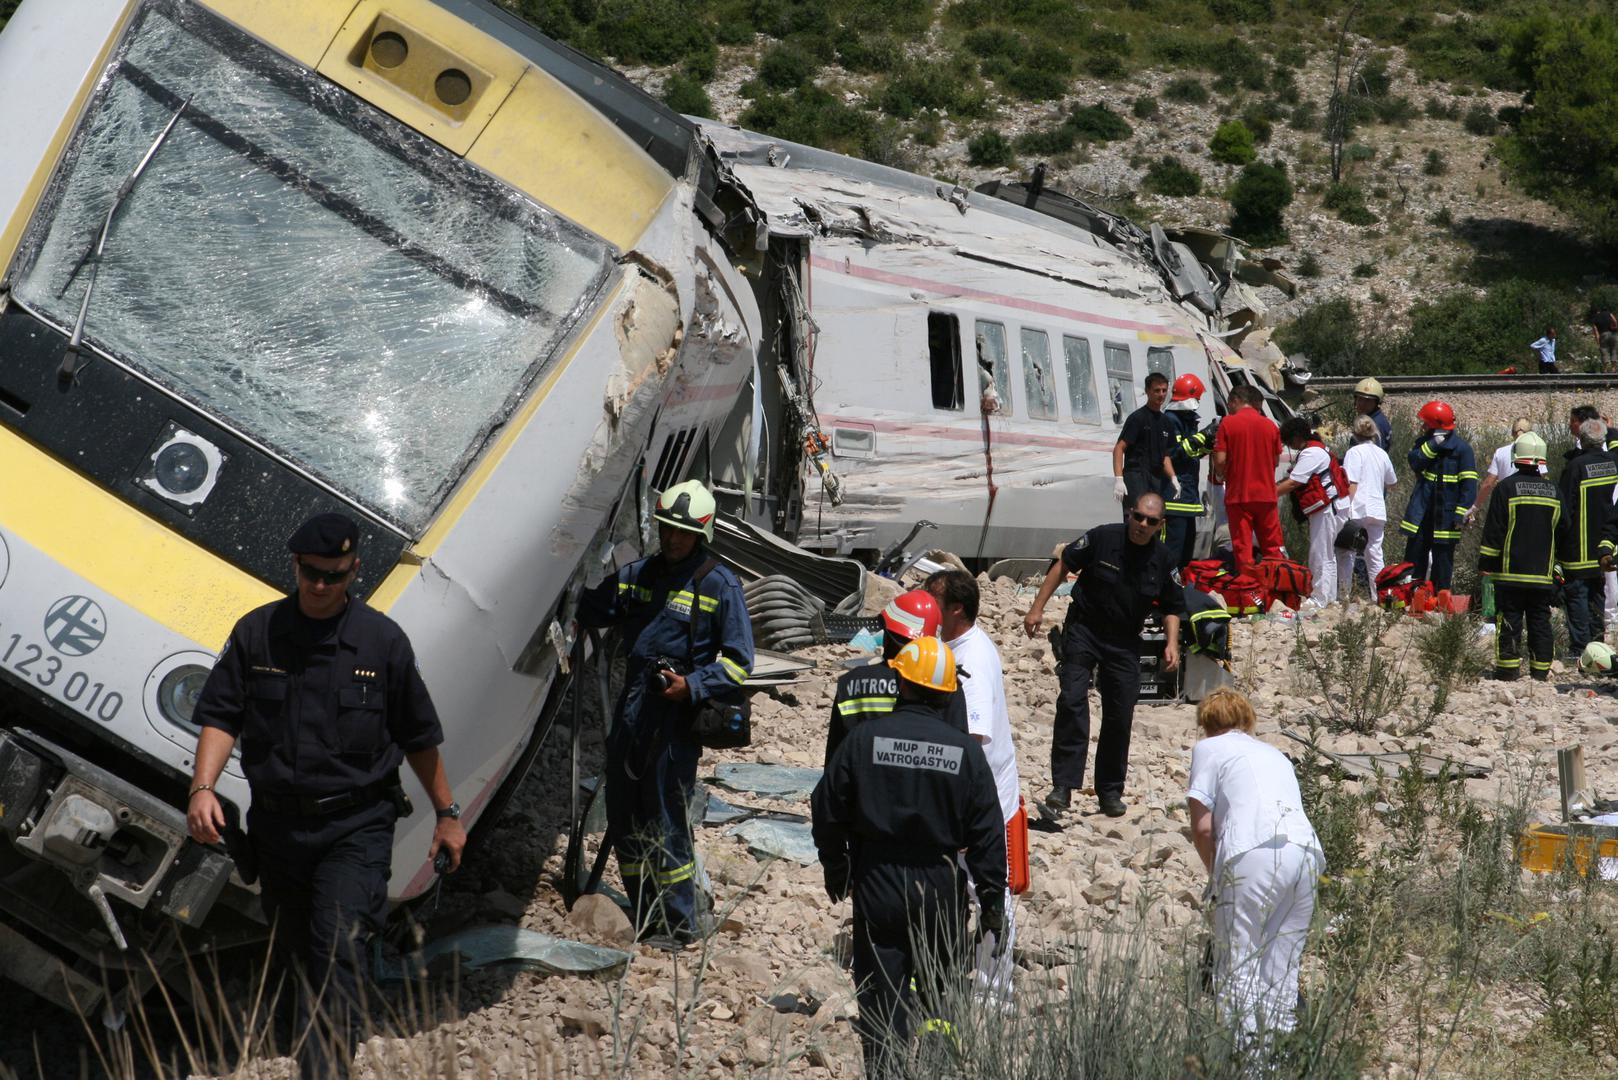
<point>1323,560</point>
<point>1374,561</point>
<point>1612,598</point>
<point>992,977</point>
<point>1263,902</point>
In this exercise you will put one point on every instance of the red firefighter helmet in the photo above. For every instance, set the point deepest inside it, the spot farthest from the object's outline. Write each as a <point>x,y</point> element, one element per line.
<point>1188,386</point>
<point>1437,416</point>
<point>912,615</point>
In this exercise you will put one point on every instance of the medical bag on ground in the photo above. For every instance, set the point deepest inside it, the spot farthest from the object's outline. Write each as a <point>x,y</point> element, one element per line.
<point>1284,580</point>
<point>1204,574</point>
<point>1396,586</point>
<point>1017,850</point>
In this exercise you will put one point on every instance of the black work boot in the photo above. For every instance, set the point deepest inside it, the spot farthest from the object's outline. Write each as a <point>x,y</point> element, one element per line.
<point>1112,804</point>
<point>1058,801</point>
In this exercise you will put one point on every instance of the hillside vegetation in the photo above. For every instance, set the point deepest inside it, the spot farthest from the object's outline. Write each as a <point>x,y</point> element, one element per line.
<point>1442,180</point>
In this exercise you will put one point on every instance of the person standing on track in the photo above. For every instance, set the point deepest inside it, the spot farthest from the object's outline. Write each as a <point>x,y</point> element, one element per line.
<point>1545,349</point>
<point>1140,457</point>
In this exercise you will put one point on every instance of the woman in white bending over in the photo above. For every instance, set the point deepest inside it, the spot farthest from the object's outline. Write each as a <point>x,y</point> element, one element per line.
<point>1262,856</point>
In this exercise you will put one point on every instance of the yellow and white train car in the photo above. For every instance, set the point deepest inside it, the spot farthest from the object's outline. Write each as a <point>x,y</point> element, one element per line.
<point>405,259</point>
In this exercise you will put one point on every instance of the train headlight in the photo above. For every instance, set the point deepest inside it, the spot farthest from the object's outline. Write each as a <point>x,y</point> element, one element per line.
<point>178,692</point>
<point>182,468</point>
<point>171,693</point>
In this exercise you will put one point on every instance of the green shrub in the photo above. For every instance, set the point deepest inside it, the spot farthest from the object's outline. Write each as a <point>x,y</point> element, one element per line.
<point>1187,89</point>
<point>1396,111</point>
<point>1043,56</point>
<point>1031,84</point>
<point>1439,109</point>
<point>1232,144</point>
<point>1356,152</point>
<point>920,86</point>
<point>1097,123</point>
<point>1309,266</point>
<point>651,31</point>
<point>868,53</point>
<point>1295,55</point>
<point>1167,176</point>
<point>1480,121</point>
<point>1364,270</point>
<point>1242,11</point>
<point>1347,201</point>
<point>1047,143</point>
<point>989,149</point>
<point>1434,164</point>
<point>1144,107</point>
<point>1259,197</point>
<point>787,66</point>
<point>1104,65</point>
<point>810,115</point>
<point>684,94</point>
<point>1328,333</point>
<point>1375,80</point>
<point>1304,117</point>
<point>1442,218</point>
<point>1258,122</point>
<point>994,41</point>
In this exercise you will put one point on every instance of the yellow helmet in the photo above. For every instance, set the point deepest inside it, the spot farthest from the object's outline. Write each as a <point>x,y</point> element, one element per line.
<point>926,661</point>
<point>687,506</point>
<point>1369,388</point>
<point>1528,447</point>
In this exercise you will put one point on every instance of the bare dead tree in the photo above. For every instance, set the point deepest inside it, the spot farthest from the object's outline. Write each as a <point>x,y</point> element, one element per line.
<point>1347,63</point>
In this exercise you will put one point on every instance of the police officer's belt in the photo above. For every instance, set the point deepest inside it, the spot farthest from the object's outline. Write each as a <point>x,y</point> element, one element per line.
<point>323,805</point>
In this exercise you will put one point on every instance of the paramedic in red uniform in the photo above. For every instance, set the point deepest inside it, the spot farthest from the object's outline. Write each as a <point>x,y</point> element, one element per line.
<point>1246,451</point>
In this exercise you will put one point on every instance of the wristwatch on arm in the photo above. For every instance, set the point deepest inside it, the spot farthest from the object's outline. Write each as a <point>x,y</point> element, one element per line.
<point>453,810</point>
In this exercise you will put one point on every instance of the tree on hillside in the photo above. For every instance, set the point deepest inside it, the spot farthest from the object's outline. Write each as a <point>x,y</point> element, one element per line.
<point>1564,149</point>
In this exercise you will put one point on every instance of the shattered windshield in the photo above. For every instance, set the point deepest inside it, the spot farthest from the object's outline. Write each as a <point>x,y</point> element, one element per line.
<point>302,267</point>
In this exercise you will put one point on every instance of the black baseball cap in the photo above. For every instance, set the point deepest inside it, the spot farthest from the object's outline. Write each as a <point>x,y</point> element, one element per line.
<point>328,536</point>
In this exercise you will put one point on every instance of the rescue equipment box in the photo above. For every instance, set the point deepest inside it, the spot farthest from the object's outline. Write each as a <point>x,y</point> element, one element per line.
<point>1155,683</point>
<point>1543,848</point>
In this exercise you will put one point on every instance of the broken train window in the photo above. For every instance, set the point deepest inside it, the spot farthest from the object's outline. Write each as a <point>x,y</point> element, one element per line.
<point>1081,383</point>
<point>944,356</point>
<point>302,266</point>
<point>993,366</point>
<point>1120,381</point>
<point>1039,383</point>
<point>1161,359</point>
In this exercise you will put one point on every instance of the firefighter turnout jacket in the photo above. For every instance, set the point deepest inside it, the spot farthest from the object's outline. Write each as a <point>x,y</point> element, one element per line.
<point>903,794</point>
<point>873,690</point>
<point>1446,486</point>
<point>1519,532</point>
<point>1190,447</point>
<point>1586,489</point>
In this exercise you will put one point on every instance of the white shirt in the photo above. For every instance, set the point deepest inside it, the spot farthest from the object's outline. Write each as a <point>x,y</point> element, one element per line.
<point>1501,466</point>
<point>1369,466</point>
<point>1252,791</point>
<point>986,715</point>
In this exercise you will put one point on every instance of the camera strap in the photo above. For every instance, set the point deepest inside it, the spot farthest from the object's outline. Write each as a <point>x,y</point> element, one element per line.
<point>708,566</point>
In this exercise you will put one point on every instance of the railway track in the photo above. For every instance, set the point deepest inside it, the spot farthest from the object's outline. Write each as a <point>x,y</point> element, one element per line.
<point>1516,384</point>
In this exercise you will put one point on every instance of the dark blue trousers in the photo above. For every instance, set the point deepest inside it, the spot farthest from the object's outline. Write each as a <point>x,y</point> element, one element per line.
<point>1115,671</point>
<point>1434,562</point>
<point>650,777</point>
<point>1586,611</point>
<point>324,883</point>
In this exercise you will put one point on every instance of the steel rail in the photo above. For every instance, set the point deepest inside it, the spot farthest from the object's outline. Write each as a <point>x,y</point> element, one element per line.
<point>1473,383</point>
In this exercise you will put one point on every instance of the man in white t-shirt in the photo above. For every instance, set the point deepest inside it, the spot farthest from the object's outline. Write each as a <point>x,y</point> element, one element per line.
<point>1370,474</point>
<point>989,722</point>
<point>1500,467</point>
<point>1315,490</point>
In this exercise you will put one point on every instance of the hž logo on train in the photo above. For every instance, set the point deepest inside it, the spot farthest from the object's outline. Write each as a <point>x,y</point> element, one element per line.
<point>75,625</point>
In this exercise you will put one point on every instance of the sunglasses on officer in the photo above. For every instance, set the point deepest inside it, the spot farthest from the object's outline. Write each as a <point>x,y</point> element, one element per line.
<point>1146,519</point>
<point>316,576</point>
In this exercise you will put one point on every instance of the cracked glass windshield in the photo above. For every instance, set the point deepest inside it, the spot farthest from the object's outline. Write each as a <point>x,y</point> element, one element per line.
<point>302,267</point>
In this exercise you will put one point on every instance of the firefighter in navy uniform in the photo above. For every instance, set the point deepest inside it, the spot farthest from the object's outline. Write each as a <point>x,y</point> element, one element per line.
<point>1445,488</point>
<point>873,689</point>
<point>673,665</point>
<point>324,694</point>
<point>1587,484</point>
<point>1124,572</point>
<point>1184,506</point>
<point>904,794</point>
<point>1519,550</point>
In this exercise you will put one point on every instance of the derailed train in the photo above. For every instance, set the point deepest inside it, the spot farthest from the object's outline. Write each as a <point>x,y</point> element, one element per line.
<point>411,260</point>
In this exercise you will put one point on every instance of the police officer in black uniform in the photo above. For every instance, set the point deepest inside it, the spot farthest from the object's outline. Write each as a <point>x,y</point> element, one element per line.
<point>873,689</point>
<point>1141,456</point>
<point>1124,571</point>
<point>324,694</point>
<point>1519,549</point>
<point>903,795</point>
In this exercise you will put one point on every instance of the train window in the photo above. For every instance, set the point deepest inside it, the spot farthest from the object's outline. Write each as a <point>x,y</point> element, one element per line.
<point>1120,381</point>
<point>1161,359</point>
<point>992,362</point>
<point>944,354</point>
<point>303,268</point>
<point>1038,382</point>
<point>1081,382</point>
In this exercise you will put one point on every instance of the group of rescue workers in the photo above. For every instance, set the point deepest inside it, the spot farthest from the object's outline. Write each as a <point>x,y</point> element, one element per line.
<point>918,814</point>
